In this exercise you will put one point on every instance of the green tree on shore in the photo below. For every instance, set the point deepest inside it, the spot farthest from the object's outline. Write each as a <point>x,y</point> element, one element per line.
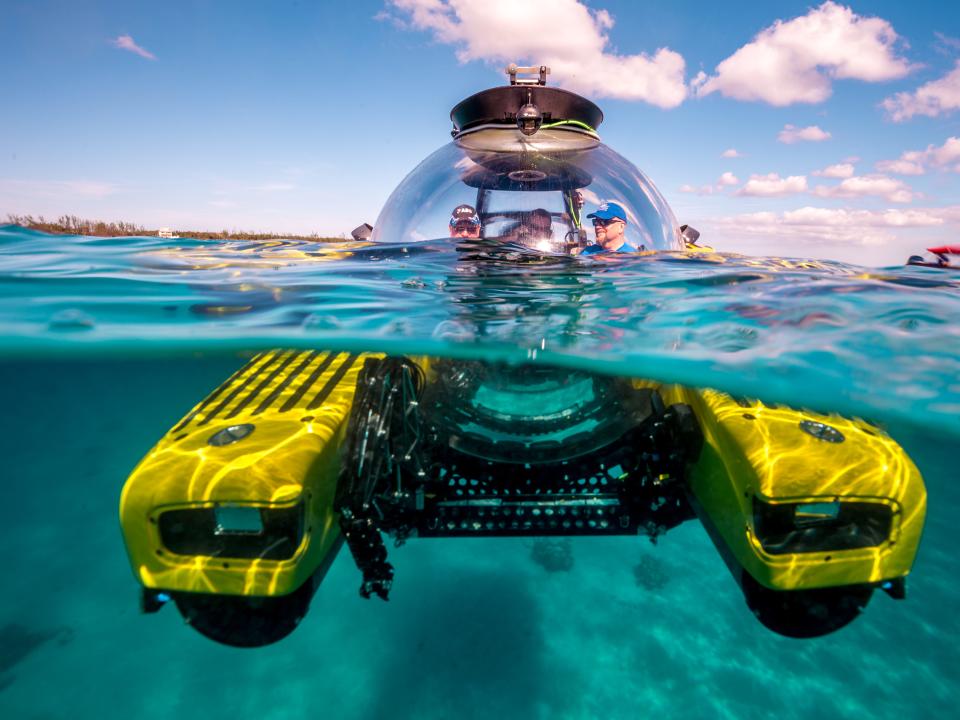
<point>72,225</point>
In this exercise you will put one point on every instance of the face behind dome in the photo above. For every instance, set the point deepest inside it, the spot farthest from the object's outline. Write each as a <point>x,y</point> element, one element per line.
<point>534,188</point>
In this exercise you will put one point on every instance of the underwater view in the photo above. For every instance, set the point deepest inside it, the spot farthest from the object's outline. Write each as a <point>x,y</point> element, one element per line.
<point>108,343</point>
<point>528,446</point>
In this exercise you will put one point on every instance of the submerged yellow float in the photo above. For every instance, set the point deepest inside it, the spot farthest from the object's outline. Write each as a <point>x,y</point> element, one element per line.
<point>241,507</point>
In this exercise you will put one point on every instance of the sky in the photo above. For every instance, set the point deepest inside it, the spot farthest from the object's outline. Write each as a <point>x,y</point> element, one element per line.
<point>797,129</point>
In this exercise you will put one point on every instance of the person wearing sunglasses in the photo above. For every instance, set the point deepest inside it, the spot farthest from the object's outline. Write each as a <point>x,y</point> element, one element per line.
<point>609,224</point>
<point>464,222</point>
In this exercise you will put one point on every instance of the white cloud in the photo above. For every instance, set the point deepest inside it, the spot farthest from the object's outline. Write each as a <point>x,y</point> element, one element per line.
<point>275,187</point>
<point>890,189</point>
<point>900,167</point>
<point>797,60</point>
<point>839,217</point>
<point>945,43</point>
<point>840,170</point>
<point>916,162</point>
<point>935,98</point>
<point>731,153</point>
<point>88,188</point>
<point>946,154</point>
<point>566,35</point>
<point>728,179</point>
<point>772,185</point>
<point>833,225</point>
<point>58,188</point>
<point>125,42</point>
<point>792,134</point>
<point>702,190</point>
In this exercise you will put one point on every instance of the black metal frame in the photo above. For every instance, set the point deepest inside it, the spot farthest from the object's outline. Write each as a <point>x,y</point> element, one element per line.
<point>405,474</point>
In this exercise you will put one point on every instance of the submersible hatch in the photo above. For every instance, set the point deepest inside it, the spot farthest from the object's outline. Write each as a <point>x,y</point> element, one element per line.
<point>526,104</point>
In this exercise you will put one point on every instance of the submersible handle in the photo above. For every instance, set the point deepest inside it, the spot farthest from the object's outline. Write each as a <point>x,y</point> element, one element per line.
<point>513,70</point>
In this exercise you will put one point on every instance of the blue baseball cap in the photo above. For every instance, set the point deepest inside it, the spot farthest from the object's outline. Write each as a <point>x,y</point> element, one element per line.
<point>609,211</point>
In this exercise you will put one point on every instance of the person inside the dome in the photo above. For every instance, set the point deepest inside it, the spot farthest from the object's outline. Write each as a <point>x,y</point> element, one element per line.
<point>464,222</point>
<point>609,224</point>
<point>536,225</point>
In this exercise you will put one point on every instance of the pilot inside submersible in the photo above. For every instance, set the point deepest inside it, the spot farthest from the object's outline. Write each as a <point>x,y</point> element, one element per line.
<point>526,167</point>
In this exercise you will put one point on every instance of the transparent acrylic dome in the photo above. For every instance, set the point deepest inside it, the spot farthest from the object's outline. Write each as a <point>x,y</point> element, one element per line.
<point>511,179</point>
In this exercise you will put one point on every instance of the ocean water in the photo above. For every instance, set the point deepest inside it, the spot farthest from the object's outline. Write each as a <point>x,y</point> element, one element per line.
<point>106,343</point>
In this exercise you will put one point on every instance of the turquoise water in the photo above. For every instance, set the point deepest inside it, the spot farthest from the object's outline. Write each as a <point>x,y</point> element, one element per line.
<point>104,344</point>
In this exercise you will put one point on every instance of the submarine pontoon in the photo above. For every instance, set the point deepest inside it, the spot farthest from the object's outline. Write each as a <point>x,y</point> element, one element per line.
<point>240,509</point>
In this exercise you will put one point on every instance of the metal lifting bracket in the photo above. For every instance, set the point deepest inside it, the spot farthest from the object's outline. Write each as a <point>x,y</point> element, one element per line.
<point>513,70</point>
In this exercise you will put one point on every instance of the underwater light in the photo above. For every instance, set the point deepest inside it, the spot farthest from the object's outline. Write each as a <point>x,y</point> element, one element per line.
<point>820,526</point>
<point>814,513</point>
<point>230,435</point>
<point>233,531</point>
<point>237,520</point>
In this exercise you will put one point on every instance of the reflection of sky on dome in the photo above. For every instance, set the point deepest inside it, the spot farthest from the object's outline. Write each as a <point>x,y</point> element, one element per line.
<point>500,185</point>
<point>589,196</point>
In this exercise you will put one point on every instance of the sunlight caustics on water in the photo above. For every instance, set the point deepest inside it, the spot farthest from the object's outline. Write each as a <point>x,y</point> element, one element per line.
<point>106,343</point>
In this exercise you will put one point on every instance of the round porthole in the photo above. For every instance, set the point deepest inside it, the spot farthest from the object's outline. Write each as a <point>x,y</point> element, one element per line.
<point>230,435</point>
<point>822,431</point>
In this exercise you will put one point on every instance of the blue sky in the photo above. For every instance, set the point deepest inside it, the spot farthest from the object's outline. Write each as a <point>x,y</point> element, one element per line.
<point>302,116</point>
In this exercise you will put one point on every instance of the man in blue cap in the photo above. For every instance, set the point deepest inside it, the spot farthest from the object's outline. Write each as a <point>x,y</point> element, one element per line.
<point>609,224</point>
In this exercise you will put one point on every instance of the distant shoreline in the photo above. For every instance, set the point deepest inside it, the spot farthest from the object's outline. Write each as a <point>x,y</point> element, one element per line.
<point>72,225</point>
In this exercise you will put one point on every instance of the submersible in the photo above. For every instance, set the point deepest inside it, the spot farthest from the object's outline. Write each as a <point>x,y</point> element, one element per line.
<point>240,509</point>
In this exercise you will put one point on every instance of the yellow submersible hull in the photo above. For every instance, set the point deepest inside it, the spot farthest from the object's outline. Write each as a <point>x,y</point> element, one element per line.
<point>237,498</point>
<point>241,507</point>
<point>821,508</point>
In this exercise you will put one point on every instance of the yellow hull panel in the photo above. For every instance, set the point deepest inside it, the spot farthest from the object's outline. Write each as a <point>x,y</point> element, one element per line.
<point>754,451</point>
<point>297,404</point>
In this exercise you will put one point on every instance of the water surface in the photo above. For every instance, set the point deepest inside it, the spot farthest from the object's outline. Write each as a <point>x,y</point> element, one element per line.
<point>106,343</point>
